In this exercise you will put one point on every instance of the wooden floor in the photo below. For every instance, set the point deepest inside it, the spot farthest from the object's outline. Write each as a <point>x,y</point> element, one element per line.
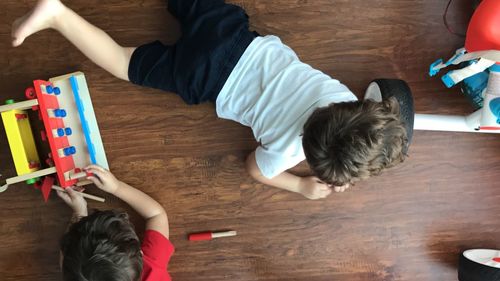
<point>407,224</point>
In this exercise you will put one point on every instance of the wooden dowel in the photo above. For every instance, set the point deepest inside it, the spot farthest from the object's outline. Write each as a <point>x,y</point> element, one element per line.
<point>39,173</point>
<point>77,176</point>
<point>83,183</point>
<point>223,234</point>
<point>85,195</point>
<point>19,105</point>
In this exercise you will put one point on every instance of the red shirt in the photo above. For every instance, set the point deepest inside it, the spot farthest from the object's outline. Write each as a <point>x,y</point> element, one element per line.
<point>156,252</point>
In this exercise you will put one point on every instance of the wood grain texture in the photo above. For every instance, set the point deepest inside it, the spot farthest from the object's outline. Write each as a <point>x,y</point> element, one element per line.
<point>408,224</point>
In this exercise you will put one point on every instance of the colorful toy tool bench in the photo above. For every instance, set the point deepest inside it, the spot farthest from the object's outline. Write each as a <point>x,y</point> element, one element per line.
<point>64,106</point>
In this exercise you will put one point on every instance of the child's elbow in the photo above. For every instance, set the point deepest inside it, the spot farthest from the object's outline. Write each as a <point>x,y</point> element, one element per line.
<point>252,168</point>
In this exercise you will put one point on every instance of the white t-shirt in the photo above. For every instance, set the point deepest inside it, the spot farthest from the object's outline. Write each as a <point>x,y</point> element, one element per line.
<point>274,93</point>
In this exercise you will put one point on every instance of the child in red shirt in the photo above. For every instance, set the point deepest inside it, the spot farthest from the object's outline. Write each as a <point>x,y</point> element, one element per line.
<point>104,245</point>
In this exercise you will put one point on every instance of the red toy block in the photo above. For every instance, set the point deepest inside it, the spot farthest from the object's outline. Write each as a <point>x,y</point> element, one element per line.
<point>46,187</point>
<point>20,116</point>
<point>43,135</point>
<point>35,108</point>
<point>34,165</point>
<point>78,170</point>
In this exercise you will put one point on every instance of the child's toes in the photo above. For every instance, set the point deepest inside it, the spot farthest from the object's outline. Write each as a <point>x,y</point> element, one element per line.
<point>38,19</point>
<point>17,37</point>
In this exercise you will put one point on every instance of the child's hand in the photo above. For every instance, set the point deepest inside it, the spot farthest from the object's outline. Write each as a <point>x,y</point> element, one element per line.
<point>313,188</point>
<point>75,201</point>
<point>104,180</point>
<point>341,188</point>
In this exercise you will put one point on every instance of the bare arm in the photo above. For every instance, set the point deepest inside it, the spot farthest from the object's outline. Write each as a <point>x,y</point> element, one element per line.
<point>310,187</point>
<point>284,180</point>
<point>154,214</point>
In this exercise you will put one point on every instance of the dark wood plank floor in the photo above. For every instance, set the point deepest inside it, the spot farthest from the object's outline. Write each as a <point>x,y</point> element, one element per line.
<point>408,224</point>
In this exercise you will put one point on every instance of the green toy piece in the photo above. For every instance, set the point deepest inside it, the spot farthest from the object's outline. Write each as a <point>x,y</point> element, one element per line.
<point>10,101</point>
<point>32,181</point>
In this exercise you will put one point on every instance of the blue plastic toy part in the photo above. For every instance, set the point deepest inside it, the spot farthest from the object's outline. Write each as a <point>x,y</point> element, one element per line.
<point>432,69</point>
<point>64,131</point>
<point>49,89</point>
<point>447,80</point>
<point>61,113</point>
<point>57,91</point>
<point>495,68</point>
<point>473,88</point>
<point>69,150</point>
<point>495,108</point>
<point>458,54</point>
<point>85,125</point>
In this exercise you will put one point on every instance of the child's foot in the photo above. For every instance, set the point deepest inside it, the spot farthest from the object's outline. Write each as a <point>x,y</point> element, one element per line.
<point>41,17</point>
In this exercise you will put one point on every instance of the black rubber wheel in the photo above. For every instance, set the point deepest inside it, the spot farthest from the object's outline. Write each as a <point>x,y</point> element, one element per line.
<point>469,270</point>
<point>380,89</point>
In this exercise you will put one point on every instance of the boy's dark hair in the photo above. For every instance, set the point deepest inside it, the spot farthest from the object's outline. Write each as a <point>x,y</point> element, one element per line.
<point>350,141</point>
<point>102,246</point>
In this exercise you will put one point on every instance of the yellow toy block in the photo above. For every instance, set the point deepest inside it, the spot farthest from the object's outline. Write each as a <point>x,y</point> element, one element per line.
<point>21,141</point>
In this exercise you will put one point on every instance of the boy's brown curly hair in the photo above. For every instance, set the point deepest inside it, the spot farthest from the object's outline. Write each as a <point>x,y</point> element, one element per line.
<point>350,141</point>
<point>102,246</point>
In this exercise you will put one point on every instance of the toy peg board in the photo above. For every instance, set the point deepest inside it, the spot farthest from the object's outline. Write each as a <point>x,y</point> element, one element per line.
<point>49,102</point>
<point>21,142</point>
<point>88,131</point>
<point>80,118</point>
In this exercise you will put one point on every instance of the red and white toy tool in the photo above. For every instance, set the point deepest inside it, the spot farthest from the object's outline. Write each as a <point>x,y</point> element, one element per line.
<point>210,235</point>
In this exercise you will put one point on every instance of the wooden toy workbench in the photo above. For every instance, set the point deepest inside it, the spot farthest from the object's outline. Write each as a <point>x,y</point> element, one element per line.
<point>64,106</point>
